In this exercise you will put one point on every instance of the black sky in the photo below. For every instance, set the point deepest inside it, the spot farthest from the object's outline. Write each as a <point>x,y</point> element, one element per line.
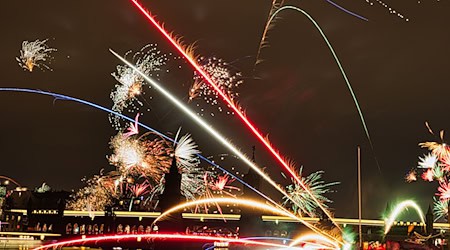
<point>398,69</point>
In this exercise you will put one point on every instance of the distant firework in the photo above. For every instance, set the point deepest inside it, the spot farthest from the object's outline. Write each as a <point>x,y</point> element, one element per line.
<point>305,204</point>
<point>130,84</point>
<point>227,79</point>
<point>397,211</point>
<point>35,54</point>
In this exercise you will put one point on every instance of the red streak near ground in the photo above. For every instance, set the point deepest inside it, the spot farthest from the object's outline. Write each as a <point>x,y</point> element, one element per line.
<point>111,238</point>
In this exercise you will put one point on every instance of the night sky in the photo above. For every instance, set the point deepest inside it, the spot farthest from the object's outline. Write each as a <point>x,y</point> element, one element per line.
<point>398,69</point>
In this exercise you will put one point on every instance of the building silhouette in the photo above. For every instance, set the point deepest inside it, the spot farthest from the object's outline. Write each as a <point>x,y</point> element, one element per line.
<point>251,216</point>
<point>170,197</point>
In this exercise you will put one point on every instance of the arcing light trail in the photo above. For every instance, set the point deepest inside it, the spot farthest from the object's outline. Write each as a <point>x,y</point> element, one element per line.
<point>275,6</point>
<point>217,136</point>
<point>312,239</point>
<point>248,203</point>
<point>159,236</point>
<point>338,62</point>
<point>68,98</point>
<point>237,110</point>
<point>242,202</point>
<point>398,209</point>
<point>346,11</point>
<point>11,180</point>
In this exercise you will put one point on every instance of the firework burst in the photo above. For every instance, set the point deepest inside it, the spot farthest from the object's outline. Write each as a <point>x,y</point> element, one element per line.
<point>125,94</point>
<point>227,79</point>
<point>95,196</point>
<point>35,54</point>
<point>411,176</point>
<point>305,204</point>
<point>186,152</point>
<point>428,175</point>
<point>428,161</point>
<point>440,208</point>
<point>141,156</point>
<point>215,187</point>
<point>444,191</point>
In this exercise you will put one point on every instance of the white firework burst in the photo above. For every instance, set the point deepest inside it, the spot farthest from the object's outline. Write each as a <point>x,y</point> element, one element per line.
<point>226,78</point>
<point>35,54</point>
<point>428,161</point>
<point>186,152</point>
<point>149,60</point>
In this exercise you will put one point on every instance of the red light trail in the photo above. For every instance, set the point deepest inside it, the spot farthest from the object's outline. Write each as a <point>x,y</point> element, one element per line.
<point>159,236</point>
<point>235,108</point>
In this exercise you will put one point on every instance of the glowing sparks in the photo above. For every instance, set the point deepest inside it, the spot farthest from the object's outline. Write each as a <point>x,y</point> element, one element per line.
<point>305,204</point>
<point>130,84</point>
<point>411,176</point>
<point>133,129</point>
<point>140,189</point>
<point>187,55</point>
<point>186,152</point>
<point>428,175</point>
<point>221,73</point>
<point>444,191</point>
<point>389,8</point>
<point>397,211</point>
<point>95,196</point>
<point>440,208</point>
<point>35,54</point>
<point>223,182</point>
<point>428,161</point>
<point>128,152</point>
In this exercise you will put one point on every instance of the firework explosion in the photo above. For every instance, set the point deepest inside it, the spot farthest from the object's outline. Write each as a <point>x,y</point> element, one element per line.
<point>96,195</point>
<point>428,161</point>
<point>444,191</point>
<point>215,187</point>
<point>434,167</point>
<point>187,54</point>
<point>35,54</point>
<point>440,208</point>
<point>130,84</point>
<point>304,203</point>
<point>227,79</point>
<point>411,176</point>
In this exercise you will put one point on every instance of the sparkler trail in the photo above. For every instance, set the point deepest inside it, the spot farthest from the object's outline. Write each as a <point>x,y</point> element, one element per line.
<point>237,110</point>
<point>338,62</point>
<point>398,209</point>
<point>221,139</point>
<point>68,98</point>
<point>159,236</point>
<point>346,11</point>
